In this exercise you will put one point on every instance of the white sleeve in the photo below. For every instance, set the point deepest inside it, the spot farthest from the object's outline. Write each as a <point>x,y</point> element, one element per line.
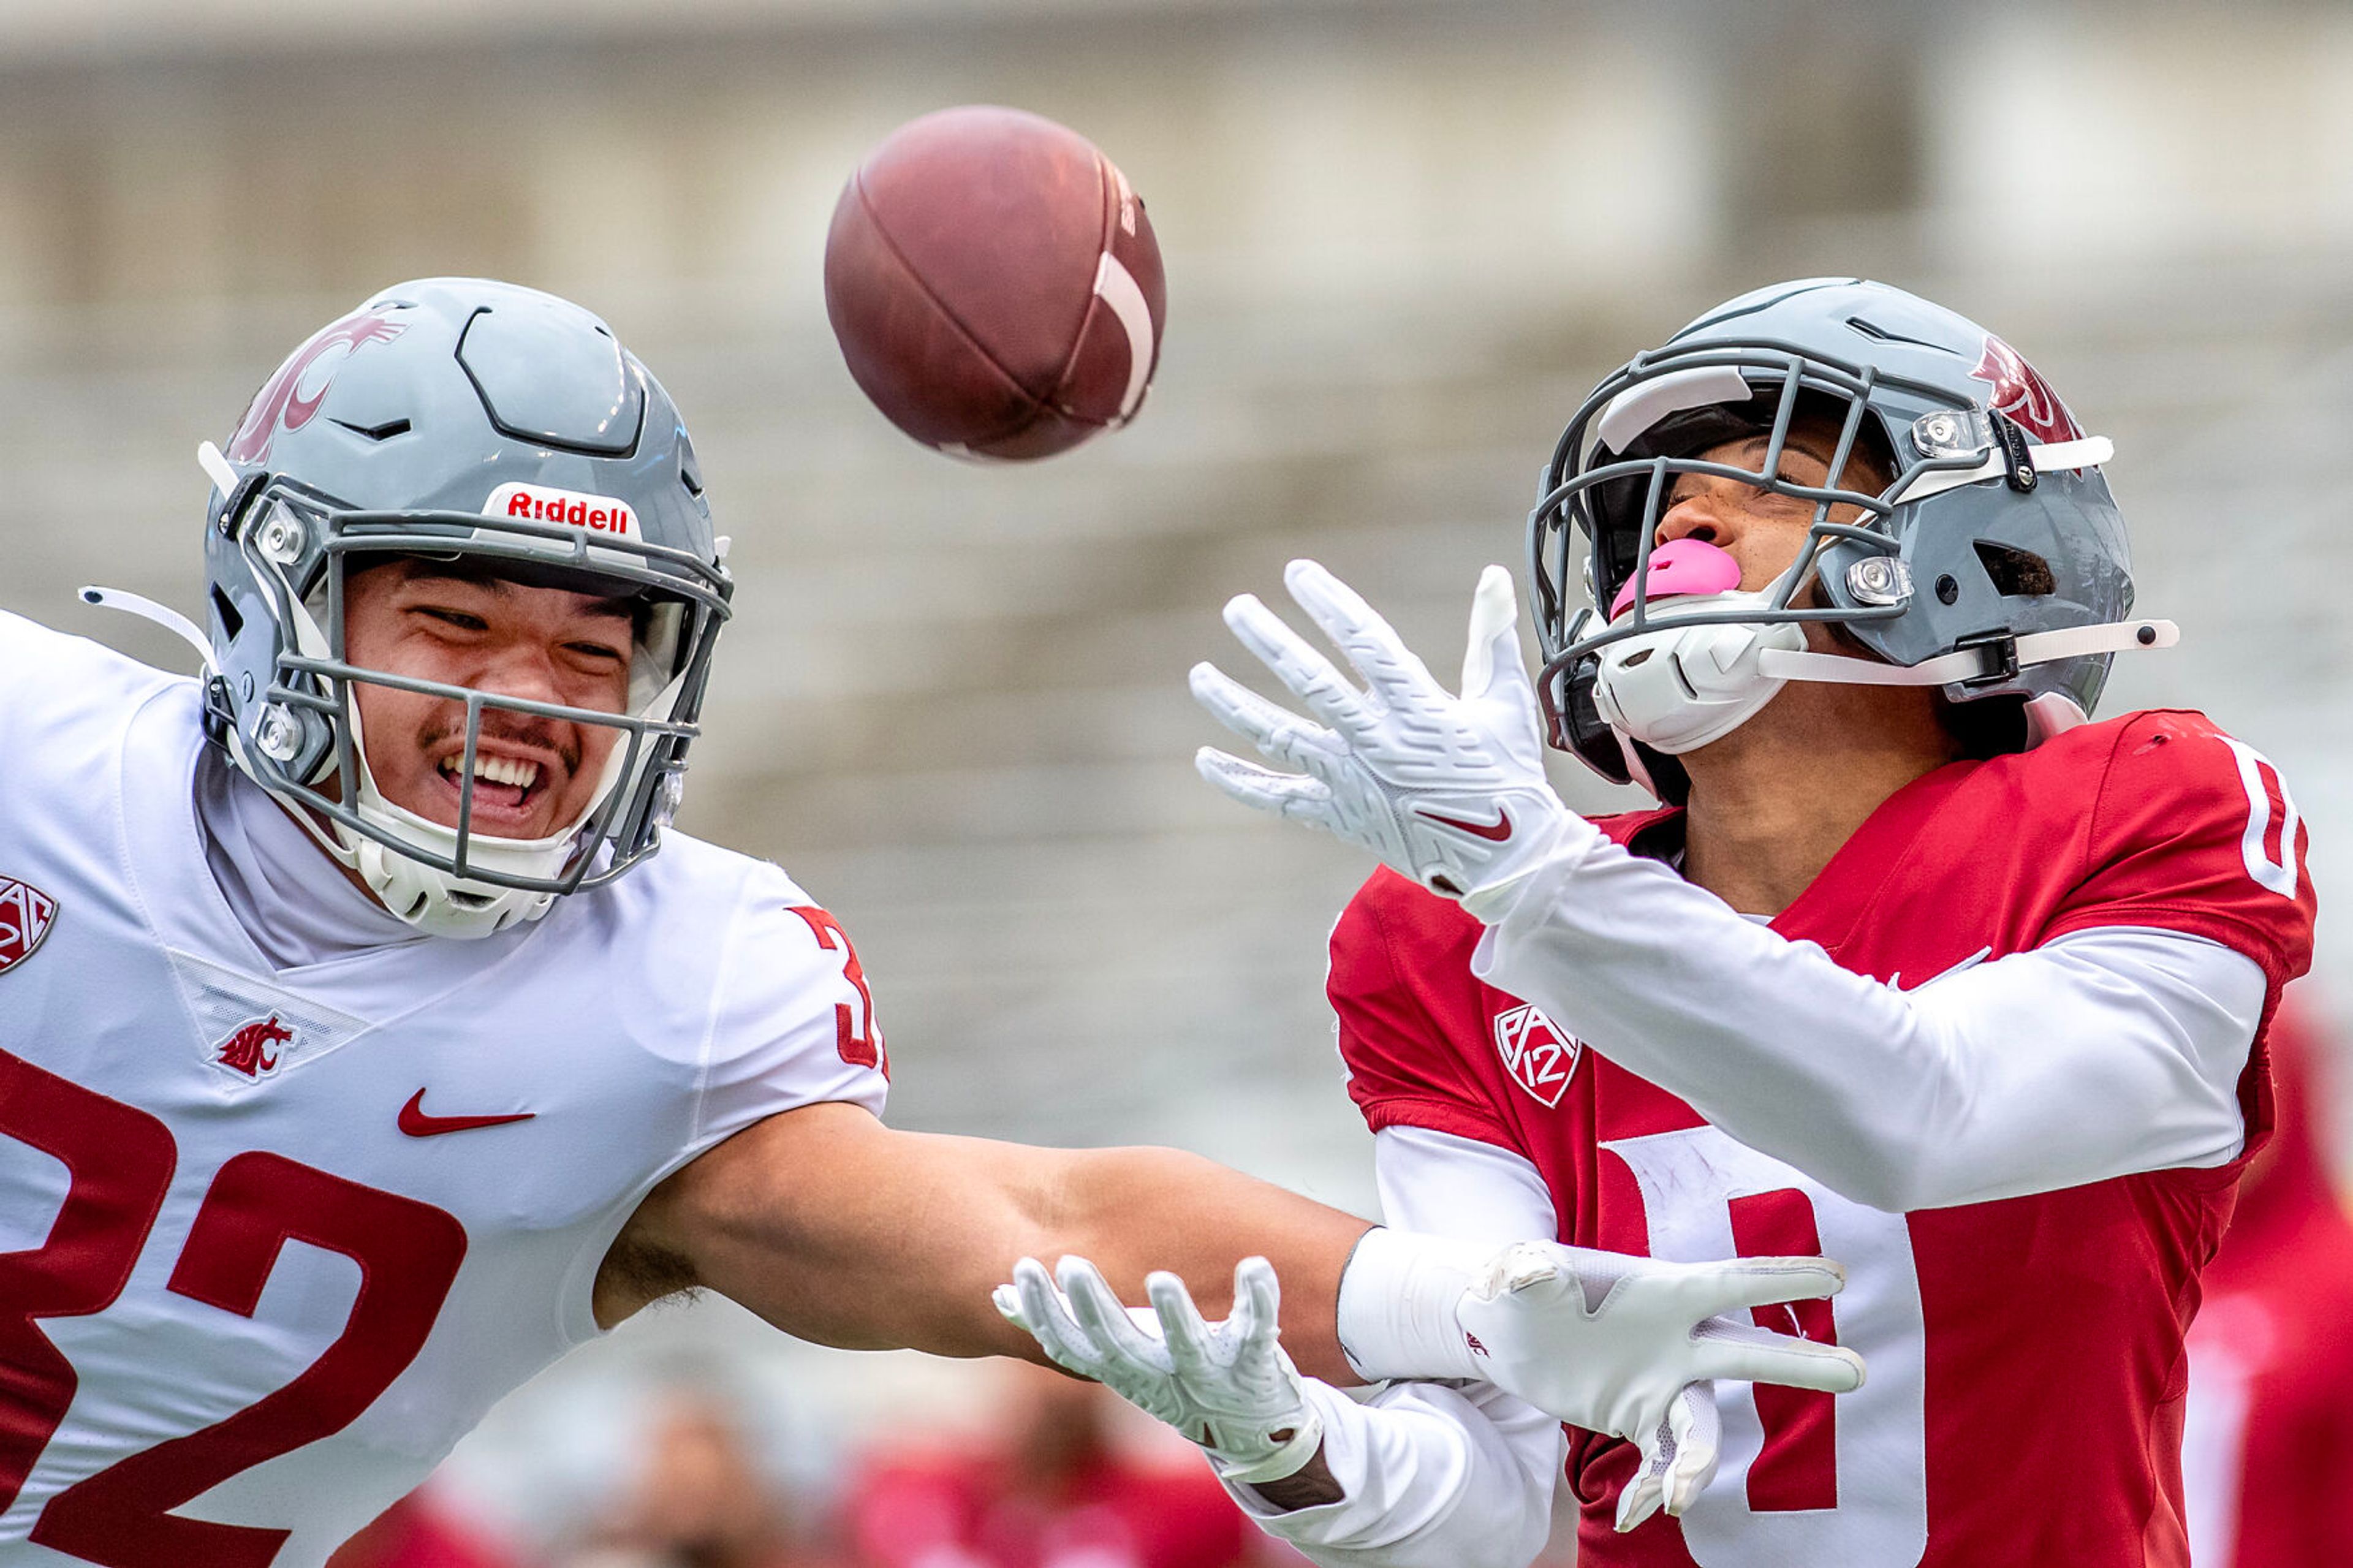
<point>791,1015</point>
<point>1439,1184</point>
<point>1435,1475</point>
<point>2105,1052</point>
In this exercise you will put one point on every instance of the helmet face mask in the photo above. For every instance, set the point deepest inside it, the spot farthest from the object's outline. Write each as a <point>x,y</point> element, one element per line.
<point>1952,535</point>
<point>316,503</point>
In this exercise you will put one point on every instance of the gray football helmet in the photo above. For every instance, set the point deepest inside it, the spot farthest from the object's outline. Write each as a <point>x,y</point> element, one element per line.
<point>1992,563</point>
<point>458,417</point>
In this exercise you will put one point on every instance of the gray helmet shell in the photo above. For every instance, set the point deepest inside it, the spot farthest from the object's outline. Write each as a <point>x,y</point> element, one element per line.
<point>1980,564</point>
<point>458,418</point>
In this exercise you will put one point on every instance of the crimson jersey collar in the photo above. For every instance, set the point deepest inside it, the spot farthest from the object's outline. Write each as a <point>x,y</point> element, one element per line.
<point>1834,903</point>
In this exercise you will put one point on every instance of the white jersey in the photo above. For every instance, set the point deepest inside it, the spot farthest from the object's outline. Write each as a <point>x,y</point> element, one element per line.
<point>272,1240</point>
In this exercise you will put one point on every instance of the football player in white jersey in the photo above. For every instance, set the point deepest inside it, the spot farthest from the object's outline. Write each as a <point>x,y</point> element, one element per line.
<point>359,1056</point>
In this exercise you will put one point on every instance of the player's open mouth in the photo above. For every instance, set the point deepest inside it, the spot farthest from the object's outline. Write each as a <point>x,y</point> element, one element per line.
<point>503,786</point>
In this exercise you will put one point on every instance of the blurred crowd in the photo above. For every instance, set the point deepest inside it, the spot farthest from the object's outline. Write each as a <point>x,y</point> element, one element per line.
<point>1059,1481</point>
<point>1062,1476</point>
<point>2267,1445</point>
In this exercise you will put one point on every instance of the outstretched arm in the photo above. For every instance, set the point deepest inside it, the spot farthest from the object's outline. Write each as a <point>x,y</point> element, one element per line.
<point>1898,1099</point>
<point>842,1230</point>
<point>846,1232</point>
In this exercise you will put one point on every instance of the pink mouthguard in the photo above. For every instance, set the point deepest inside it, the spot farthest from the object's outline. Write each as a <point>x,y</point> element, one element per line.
<point>1680,566</point>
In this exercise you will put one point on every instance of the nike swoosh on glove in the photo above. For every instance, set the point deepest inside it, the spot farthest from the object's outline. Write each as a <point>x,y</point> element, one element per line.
<point>1605,1341</point>
<point>1449,789</point>
<point>1227,1387</point>
<point>1548,1305</point>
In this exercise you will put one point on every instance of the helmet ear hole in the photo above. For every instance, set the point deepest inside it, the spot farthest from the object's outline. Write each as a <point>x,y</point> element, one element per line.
<point>2015,572</point>
<point>232,622</point>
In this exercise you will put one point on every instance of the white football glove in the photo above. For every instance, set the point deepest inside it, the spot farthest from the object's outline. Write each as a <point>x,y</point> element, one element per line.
<point>1227,1387</point>
<point>1604,1340</point>
<point>1449,790</point>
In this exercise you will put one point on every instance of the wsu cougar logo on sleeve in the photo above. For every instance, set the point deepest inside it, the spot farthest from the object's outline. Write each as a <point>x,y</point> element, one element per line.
<point>1539,1057</point>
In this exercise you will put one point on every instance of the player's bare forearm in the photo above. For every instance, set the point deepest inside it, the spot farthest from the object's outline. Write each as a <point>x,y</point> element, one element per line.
<point>840,1230</point>
<point>1134,1210</point>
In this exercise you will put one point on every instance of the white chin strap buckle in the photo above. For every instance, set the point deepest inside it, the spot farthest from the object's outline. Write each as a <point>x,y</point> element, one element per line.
<point>2041,457</point>
<point>163,615</point>
<point>1682,687</point>
<point>1992,660</point>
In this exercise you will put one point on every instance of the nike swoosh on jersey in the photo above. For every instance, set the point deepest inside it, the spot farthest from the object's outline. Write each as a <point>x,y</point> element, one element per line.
<point>1896,981</point>
<point>418,1124</point>
<point>1494,832</point>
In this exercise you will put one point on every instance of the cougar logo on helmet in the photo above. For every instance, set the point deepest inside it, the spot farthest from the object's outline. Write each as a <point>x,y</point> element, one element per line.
<point>281,401</point>
<point>2020,391</point>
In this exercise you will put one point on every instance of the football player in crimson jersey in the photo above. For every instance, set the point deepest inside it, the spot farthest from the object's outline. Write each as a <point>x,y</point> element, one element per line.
<point>1912,963</point>
<point>509,1075</point>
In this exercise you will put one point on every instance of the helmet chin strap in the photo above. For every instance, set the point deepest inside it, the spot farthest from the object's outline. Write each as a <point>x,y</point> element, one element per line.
<point>224,480</point>
<point>403,886</point>
<point>436,902</point>
<point>1685,683</point>
<point>163,615</point>
<point>217,469</point>
<point>1969,663</point>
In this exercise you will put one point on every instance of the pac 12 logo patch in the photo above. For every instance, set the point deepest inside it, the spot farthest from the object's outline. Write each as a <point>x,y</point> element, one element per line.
<point>1539,1057</point>
<point>25,912</point>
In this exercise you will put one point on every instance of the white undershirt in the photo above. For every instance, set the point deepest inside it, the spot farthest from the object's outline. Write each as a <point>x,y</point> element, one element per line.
<point>289,897</point>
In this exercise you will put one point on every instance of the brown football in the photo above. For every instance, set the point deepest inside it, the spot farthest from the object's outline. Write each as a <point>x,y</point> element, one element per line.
<point>995,284</point>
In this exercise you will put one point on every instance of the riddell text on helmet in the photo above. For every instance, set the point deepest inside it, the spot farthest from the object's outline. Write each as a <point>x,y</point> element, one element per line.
<point>538,503</point>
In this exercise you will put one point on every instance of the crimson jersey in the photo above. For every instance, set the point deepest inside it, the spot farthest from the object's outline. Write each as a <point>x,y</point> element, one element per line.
<point>966,1509</point>
<point>2026,1366</point>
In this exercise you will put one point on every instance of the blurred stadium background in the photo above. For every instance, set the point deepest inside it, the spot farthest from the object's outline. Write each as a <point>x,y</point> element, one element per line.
<point>1403,237</point>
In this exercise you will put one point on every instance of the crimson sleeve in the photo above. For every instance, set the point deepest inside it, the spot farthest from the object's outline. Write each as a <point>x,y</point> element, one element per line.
<point>2194,831</point>
<point>1403,1069</point>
